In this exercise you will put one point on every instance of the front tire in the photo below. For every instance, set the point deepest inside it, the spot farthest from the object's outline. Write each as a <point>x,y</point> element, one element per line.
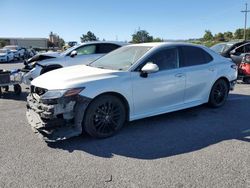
<point>218,94</point>
<point>104,116</point>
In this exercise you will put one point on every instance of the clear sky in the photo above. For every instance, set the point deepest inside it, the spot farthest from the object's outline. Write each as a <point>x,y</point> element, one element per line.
<point>111,19</point>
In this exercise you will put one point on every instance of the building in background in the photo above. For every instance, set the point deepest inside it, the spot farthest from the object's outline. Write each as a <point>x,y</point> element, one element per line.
<point>41,43</point>
<point>55,41</point>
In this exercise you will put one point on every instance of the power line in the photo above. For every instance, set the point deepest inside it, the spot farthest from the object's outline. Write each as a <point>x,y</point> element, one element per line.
<point>245,30</point>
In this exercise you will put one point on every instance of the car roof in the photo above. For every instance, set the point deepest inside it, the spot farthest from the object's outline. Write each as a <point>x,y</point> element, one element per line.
<point>162,44</point>
<point>105,42</point>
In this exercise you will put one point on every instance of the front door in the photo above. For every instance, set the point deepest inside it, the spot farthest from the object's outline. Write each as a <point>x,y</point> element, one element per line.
<point>159,91</point>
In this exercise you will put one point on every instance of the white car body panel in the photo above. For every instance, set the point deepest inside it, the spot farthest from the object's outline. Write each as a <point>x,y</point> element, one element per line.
<point>157,90</point>
<point>161,92</point>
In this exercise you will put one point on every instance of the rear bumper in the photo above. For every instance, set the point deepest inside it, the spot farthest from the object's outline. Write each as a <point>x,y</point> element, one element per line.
<point>57,121</point>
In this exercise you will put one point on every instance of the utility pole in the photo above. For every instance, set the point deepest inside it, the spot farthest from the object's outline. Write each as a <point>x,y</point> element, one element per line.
<point>245,30</point>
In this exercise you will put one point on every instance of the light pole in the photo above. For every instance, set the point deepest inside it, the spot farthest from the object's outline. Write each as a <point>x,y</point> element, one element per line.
<point>245,30</point>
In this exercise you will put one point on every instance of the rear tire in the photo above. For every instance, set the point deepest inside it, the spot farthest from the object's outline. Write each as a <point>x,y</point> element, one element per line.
<point>104,116</point>
<point>218,94</point>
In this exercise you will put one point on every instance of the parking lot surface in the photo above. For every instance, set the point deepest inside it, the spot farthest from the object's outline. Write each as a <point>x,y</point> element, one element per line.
<point>198,147</point>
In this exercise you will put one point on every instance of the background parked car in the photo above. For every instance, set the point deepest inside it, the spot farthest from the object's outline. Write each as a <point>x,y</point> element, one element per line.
<point>77,55</point>
<point>234,50</point>
<point>6,55</point>
<point>18,51</point>
<point>31,52</point>
<point>244,69</point>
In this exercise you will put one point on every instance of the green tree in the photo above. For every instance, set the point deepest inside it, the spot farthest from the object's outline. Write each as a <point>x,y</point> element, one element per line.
<point>157,39</point>
<point>61,43</point>
<point>228,35</point>
<point>208,36</point>
<point>239,34</point>
<point>89,36</point>
<point>3,42</point>
<point>219,37</point>
<point>141,36</point>
<point>51,44</point>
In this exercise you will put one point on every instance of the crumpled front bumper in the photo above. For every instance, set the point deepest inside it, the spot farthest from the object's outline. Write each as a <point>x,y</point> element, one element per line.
<point>58,120</point>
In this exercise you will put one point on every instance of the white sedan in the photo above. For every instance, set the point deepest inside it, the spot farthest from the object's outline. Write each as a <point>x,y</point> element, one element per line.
<point>81,54</point>
<point>6,55</point>
<point>130,83</point>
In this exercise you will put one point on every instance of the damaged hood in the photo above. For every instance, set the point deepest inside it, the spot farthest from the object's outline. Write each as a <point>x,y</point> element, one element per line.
<point>74,76</point>
<point>43,56</point>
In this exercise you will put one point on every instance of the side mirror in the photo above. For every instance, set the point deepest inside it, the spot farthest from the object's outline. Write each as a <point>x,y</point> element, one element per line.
<point>73,53</point>
<point>232,52</point>
<point>149,68</point>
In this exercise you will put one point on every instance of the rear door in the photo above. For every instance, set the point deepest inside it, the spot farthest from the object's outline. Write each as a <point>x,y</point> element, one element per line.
<point>200,72</point>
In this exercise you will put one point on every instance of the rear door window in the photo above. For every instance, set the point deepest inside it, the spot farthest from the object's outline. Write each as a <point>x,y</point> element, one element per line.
<point>106,48</point>
<point>191,56</point>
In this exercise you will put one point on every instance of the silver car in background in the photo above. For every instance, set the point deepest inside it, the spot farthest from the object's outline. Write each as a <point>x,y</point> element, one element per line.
<point>81,54</point>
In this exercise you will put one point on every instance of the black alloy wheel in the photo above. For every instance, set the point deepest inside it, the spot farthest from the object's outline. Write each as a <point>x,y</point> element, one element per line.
<point>219,93</point>
<point>104,116</point>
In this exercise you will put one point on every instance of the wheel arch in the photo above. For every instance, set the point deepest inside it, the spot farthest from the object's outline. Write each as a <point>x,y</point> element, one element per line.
<point>225,79</point>
<point>121,97</point>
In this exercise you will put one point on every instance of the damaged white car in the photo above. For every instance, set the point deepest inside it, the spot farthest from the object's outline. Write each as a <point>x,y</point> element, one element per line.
<point>130,83</point>
<point>81,54</point>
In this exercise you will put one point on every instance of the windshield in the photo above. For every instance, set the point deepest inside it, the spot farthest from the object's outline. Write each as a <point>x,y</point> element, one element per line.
<point>3,51</point>
<point>11,47</point>
<point>122,58</point>
<point>69,50</point>
<point>220,48</point>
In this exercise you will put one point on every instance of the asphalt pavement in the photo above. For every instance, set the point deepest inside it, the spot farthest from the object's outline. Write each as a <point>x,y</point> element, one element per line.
<point>197,147</point>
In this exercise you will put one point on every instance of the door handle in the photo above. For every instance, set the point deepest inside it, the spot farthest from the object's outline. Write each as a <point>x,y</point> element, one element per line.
<point>180,75</point>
